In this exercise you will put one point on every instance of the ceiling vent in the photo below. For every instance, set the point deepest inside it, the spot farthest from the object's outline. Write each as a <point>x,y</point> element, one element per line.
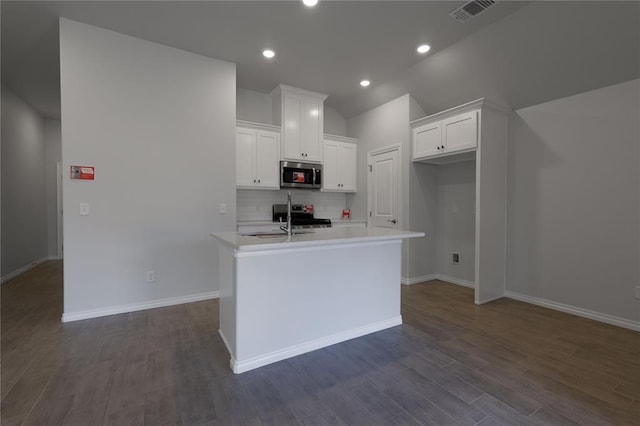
<point>473,8</point>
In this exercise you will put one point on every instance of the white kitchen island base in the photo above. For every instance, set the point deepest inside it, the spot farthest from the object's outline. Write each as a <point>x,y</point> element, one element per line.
<point>280,299</point>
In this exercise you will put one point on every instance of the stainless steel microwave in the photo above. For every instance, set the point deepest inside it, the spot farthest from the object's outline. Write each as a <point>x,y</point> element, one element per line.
<point>300,175</point>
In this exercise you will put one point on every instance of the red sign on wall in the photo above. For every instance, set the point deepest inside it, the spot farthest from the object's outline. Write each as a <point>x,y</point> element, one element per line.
<point>83,172</point>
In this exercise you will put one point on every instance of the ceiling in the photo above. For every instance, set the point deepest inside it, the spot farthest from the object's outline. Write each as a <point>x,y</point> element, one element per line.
<point>520,53</point>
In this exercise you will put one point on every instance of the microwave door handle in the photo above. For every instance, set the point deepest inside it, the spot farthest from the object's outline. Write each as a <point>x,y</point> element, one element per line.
<point>313,181</point>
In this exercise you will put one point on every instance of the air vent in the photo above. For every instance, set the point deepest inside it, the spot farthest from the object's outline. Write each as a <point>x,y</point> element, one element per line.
<point>467,11</point>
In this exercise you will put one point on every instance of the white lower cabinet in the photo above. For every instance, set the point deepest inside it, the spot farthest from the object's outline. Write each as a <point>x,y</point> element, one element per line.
<point>257,158</point>
<point>340,164</point>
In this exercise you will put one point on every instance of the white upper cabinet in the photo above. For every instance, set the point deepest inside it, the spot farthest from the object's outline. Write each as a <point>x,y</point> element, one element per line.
<point>340,164</point>
<point>245,157</point>
<point>257,156</point>
<point>291,127</point>
<point>460,132</point>
<point>427,140</point>
<point>301,115</point>
<point>446,134</point>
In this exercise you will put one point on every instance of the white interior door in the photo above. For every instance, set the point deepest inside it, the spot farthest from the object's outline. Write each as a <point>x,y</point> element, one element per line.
<point>383,182</point>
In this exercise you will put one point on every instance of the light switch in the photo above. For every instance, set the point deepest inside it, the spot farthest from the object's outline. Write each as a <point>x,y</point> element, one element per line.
<point>84,209</point>
<point>223,209</point>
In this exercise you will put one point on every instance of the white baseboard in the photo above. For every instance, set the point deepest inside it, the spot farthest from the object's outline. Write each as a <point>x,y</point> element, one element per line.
<point>453,280</point>
<point>270,358</point>
<point>585,313</point>
<point>416,280</point>
<point>226,344</point>
<point>113,310</point>
<point>25,268</point>
<point>441,277</point>
<point>491,299</point>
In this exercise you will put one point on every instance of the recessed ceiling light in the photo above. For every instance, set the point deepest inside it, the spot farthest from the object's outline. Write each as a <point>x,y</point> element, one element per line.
<point>423,48</point>
<point>365,83</point>
<point>310,3</point>
<point>268,53</point>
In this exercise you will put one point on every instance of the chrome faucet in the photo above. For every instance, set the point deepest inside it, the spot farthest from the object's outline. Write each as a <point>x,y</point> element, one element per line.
<point>288,228</point>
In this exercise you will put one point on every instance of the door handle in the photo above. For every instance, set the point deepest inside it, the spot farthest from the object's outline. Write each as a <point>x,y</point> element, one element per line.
<point>392,221</point>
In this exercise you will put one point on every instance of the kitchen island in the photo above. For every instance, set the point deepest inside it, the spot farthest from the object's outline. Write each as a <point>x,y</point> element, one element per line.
<point>283,296</point>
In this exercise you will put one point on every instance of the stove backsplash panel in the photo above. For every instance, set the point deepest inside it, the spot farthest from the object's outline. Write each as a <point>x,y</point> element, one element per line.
<point>256,205</point>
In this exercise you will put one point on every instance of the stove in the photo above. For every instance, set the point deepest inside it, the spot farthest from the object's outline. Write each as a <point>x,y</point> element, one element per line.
<point>301,216</point>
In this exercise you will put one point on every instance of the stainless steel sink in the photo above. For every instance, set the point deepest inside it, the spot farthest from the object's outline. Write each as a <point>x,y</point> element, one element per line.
<point>265,234</point>
<point>276,234</point>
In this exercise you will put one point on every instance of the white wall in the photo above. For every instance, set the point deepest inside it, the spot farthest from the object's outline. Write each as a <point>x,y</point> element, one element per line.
<point>257,107</point>
<point>158,124</point>
<point>388,125</point>
<point>334,123</point>
<point>253,106</point>
<point>24,209</point>
<point>380,127</point>
<point>573,231</point>
<point>455,219</point>
<point>53,154</point>
<point>423,191</point>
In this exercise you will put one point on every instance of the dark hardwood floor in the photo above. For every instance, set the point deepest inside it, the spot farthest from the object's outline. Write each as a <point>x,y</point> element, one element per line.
<point>451,363</point>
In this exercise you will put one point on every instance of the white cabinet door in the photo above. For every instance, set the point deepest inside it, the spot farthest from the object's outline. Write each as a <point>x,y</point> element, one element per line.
<point>257,159</point>
<point>330,167</point>
<point>245,157</point>
<point>347,166</point>
<point>460,132</point>
<point>339,167</point>
<point>312,118</point>
<point>291,126</point>
<point>427,140</point>
<point>301,115</point>
<point>267,160</point>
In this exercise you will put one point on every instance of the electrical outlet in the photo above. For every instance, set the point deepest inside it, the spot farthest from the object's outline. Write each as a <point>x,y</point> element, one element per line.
<point>151,276</point>
<point>638,292</point>
<point>84,209</point>
<point>455,258</point>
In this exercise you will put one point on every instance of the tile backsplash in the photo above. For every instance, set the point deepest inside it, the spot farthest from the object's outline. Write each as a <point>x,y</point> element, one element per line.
<point>255,205</point>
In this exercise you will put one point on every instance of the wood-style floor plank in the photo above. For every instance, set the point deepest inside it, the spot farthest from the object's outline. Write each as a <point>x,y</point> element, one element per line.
<point>451,363</point>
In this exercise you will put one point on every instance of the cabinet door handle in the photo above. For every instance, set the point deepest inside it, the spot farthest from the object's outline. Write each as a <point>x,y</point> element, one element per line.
<point>254,181</point>
<point>392,221</point>
<point>258,180</point>
<point>442,146</point>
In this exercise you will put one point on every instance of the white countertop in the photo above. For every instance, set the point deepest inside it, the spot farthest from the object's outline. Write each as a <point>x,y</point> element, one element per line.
<point>312,237</point>
<point>269,222</point>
